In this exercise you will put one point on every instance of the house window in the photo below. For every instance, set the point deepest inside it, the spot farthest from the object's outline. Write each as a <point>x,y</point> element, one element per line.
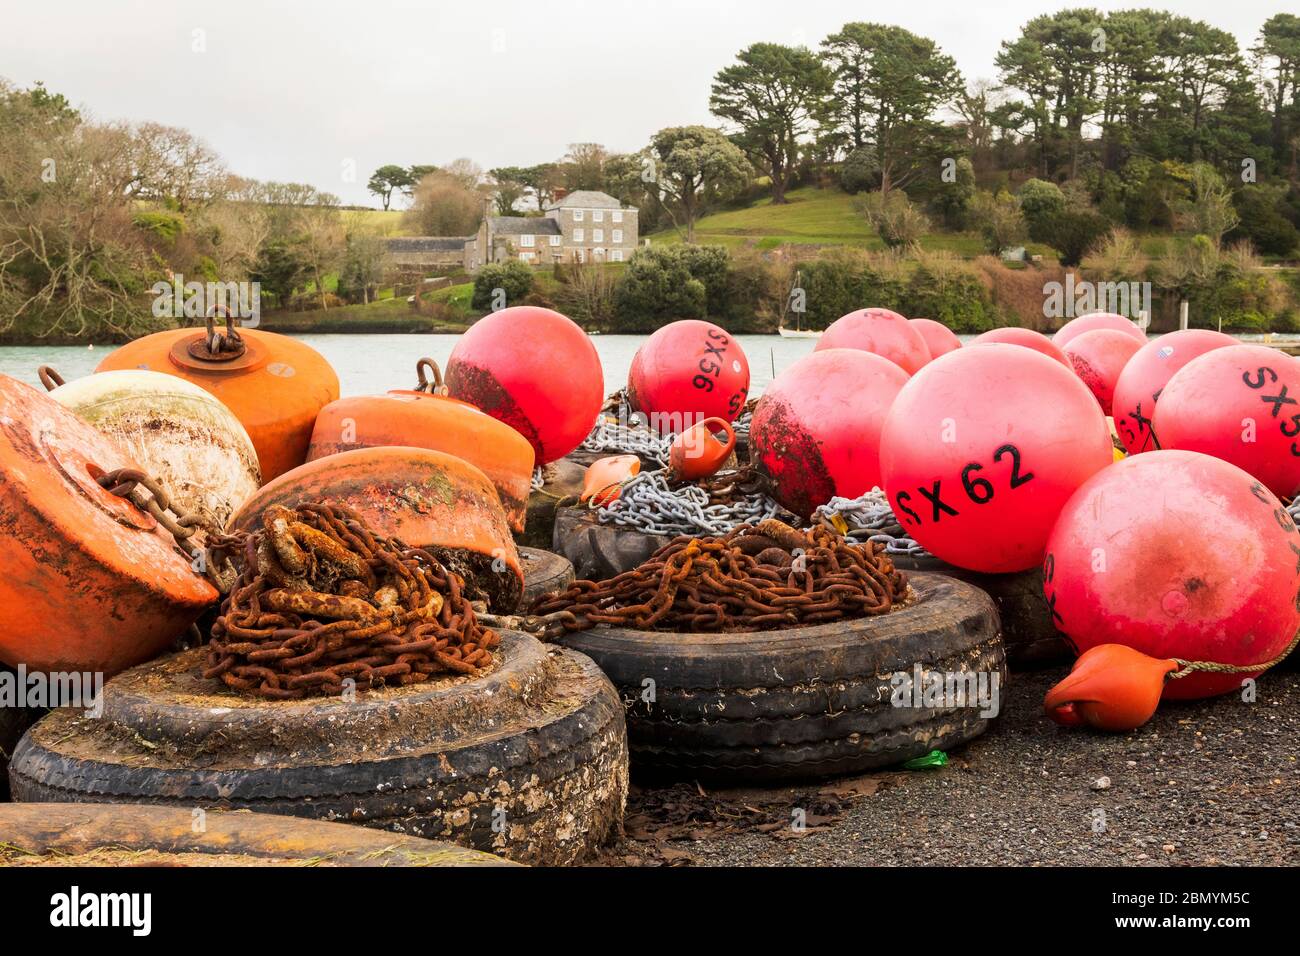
<point>598,235</point>
<point>555,240</point>
<point>616,255</point>
<point>618,236</point>
<point>577,235</point>
<point>598,215</point>
<point>526,241</point>
<point>616,215</point>
<point>577,215</point>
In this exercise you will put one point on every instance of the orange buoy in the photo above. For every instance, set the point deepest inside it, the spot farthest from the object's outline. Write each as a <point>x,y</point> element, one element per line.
<point>90,582</point>
<point>1097,320</point>
<point>1110,687</point>
<point>535,370</point>
<point>426,499</point>
<point>424,417</point>
<point>274,384</point>
<point>685,372</point>
<point>603,480</point>
<point>1015,335</point>
<point>882,332</point>
<point>698,452</point>
<point>938,337</point>
<point>1098,357</point>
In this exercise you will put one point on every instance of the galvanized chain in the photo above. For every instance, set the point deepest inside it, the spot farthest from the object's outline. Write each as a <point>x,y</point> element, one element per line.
<point>1293,509</point>
<point>627,439</point>
<point>539,479</point>
<point>652,504</point>
<point>754,578</point>
<point>149,495</point>
<point>868,517</point>
<point>323,600</point>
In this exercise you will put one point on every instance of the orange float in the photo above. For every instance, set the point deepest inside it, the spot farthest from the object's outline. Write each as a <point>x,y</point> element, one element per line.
<point>274,384</point>
<point>603,480</point>
<point>426,499</point>
<point>424,417</point>
<point>90,582</point>
<point>1110,687</point>
<point>1015,335</point>
<point>698,452</point>
<point>938,337</point>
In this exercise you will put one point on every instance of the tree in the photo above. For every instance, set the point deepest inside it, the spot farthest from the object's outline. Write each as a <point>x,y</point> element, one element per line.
<point>363,267</point>
<point>513,278</point>
<point>896,220</point>
<point>583,166</point>
<point>1040,200</point>
<point>998,220</point>
<point>1277,53</point>
<point>510,187</point>
<point>443,205</point>
<point>171,165</point>
<point>1209,211</point>
<point>386,180</point>
<point>773,96</point>
<point>691,164</point>
<point>889,84</point>
<point>414,174</point>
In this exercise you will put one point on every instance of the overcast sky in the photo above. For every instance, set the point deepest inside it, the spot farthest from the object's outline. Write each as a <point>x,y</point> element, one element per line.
<point>305,91</point>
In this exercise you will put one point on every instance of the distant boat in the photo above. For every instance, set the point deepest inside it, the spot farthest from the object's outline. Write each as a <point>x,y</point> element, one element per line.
<point>795,333</point>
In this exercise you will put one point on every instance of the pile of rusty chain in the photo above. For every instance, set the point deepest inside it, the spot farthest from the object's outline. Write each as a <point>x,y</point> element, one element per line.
<point>322,600</point>
<point>652,503</point>
<point>753,579</point>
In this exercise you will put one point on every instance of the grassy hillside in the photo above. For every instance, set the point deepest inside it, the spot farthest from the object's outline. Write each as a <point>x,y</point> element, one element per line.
<point>826,217</point>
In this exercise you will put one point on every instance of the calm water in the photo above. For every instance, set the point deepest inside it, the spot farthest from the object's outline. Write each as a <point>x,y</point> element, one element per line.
<point>373,363</point>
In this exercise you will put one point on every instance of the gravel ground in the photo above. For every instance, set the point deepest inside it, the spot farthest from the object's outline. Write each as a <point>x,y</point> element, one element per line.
<point>1211,782</point>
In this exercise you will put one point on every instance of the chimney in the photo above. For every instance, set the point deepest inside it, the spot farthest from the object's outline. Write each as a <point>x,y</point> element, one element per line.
<point>560,193</point>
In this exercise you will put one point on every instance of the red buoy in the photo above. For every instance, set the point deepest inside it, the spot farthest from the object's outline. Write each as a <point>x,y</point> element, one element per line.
<point>939,339</point>
<point>1097,320</point>
<point>982,448</point>
<point>816,430</point>
<point>1240,403</point>
<point>1177,555</point>
<point>535,370</point>
<point>880,332</point>
<point>686,372</point>
<point>1098,357</point>
<point>1145,376</point>
<point>1014,335</point>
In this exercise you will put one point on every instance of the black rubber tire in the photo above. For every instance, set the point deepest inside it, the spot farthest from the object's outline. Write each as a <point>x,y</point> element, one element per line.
<point>114,834</point>
<point>540,739</point>
<point>799,703</point>
<point>563,482</point>
<point>1031,639</point>
<point>601,551</point>
<point>14,722</point>
<point>544,573</point>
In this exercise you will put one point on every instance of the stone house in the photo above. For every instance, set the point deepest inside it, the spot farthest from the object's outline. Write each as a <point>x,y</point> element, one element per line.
<point>583,226</point>
<point>427,253</point>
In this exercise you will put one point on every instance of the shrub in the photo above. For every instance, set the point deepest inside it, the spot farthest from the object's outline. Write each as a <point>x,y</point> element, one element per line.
<point>998,219</point>
<point>898,222</point>
<point>1071,232</point>
<point>657,288</point>
<point>586,294</point>
<point>514,278</point>
<point>859,171</point>
<point>1039,200</point>
<point>1262,221</point>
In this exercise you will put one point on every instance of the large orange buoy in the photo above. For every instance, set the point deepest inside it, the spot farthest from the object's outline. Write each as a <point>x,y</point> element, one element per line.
<point>89,582</point>
<point>816,430</point>
<point>535,370</point>
<point>686,372</point>
<point>1015,335</point>
<point>982,448</point>
<point>1097,320</point>
<point>274,384</point>
<point>1240,403</point>
<point>426,499</point>
<point>939,339</point>
<point>881,332</point>
<point>1098,357</point>
<point>1144,377</point>
<point>425,417</point>
<point>1177,555</point>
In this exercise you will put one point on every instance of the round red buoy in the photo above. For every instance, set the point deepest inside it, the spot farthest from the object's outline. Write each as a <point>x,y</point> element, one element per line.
<point>982,448</point>
<point>939,339</point>
<point>1177,555</point>
<point>1014,335</point>
<point>686,372</point>
<point>1145,376</point>
<point>535,370</point>
<point>881,332</point>
<point>816,430</point>
<point>1098,357</point>
<point>1240,403</point>
<point>1097,320</point>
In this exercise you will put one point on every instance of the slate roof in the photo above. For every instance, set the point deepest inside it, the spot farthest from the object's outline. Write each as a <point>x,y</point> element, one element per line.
<point>523,226</point>
<point>427,243</point>
<point>587,199</point>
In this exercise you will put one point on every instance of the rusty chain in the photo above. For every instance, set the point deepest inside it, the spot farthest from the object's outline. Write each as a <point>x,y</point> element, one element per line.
<point>754,578</point>
<point>50,377</point>
<point>322,599</point>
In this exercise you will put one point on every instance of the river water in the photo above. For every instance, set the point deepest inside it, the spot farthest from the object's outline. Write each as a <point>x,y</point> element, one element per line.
<point>367,364</point>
